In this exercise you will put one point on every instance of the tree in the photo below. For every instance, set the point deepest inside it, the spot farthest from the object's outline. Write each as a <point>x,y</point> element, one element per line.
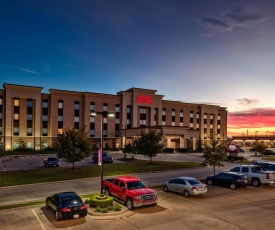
<point>129,148</point>
<point>20,145</point>
<point>148,143</point>
<point>214,153</point>
<point>1,145</point>
<point>41,144</point>
<point>73,145</point>
<point>260,146</point>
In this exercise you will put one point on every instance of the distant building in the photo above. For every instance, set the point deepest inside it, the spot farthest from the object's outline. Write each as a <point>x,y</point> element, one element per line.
<point>34,117</point>
<point>248,141</point>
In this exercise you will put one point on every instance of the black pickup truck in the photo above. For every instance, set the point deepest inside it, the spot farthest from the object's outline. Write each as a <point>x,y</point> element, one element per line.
<point>51,162</point>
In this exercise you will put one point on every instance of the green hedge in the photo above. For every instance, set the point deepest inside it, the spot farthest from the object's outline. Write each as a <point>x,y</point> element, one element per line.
<point>101,203</point>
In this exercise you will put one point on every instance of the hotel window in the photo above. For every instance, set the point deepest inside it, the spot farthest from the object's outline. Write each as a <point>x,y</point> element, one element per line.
<point>44,132</point>
<point>191,114</point>
<point>29,131</point>
<point>105,107</point>
<point>163,116</point>
<point>29,117</point>
<point>92,133</point>
<point>1,116</point>
<point>1,130</point>
<point>117,108</point>
<point>191,120</point>
<point>205,118</point>
<point>92,106</point>
<point>60,104</point>
<point>142,117</point>
<point>181,117</point>
<point>45,104</point>
<point>92,119</point>
<point>60,118</point>
<point>117,116</point>
<point>76,105</point>
<point>16,102</point>
<point>198,120</point>
<point>198,126</point>
<point>76,119</point>
<point>117,121</point>
<point>104,133</point>
<point>191,125</point>
<point>173,117</point>
<point>129,117</point>
<point>16,116</point>
<point>45,118</point>
<point>16,131</point>
<point>155,116</point>
<point>29,103</point>
<point>60,131</point>
<point>1,101</point>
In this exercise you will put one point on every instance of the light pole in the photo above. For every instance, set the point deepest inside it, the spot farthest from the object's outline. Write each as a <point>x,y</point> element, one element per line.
<point>100,151</point>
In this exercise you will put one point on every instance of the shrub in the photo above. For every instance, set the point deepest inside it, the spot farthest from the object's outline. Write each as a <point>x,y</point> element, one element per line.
<point>168,150</point>
<point>101,203</point>
<point>97,209</point>
<point>182,150</point>
<point>104,210</point>
<point>116,208</point>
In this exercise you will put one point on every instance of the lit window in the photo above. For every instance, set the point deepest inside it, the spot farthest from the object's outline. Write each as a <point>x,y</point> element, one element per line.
<point>163,122</point>
<point>92,119</point>
<point>29,131</point>
<point>45,131</point>
<point>173,113</point>
<point>128,121</point>
<point>60,118</point>
<point>191,125</point>
<point>211,116</point>
<point>205,116</point>
<point>173,123</point>
<point>181,124</point>
<point>76,105</point>
<point>181,113</point>
<point>16,102</point>
<point>105,120</point>
<point>76,119</point>
<point>198,126</point>
<point>16,116</point>
<point>60,131</point>
<point>142,122</point>
<point>16,131</point>
<point>191,114</point>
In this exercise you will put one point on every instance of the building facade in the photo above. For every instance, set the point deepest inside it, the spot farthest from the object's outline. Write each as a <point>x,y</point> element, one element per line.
<point>36,118</point>
<point>249,141</point>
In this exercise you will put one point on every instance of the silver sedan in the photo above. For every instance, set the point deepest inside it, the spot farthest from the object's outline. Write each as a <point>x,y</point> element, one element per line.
<point>185,185</point>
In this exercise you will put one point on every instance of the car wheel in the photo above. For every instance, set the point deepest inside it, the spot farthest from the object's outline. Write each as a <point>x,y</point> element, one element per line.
<point>233,186</point>
<point>129,204</point>
<point>107,192</point>
<point>57,216</point>
<point>256,182</point>
<point>210,182</point>
<point>186,193</point>
<point>165,188</point>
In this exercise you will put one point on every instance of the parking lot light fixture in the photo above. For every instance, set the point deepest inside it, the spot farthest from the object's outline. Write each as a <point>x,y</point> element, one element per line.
<point>102,114</point>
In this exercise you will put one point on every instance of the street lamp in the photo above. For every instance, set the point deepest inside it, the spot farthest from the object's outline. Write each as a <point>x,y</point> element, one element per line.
<point>100,151</point>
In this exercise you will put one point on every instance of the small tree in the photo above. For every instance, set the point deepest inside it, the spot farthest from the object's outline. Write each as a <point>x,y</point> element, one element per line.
<point>73,145</point>
<point>129,148</point>
<point>260,146</point>
<point>1,145</point>
<point>148,143</point>
<point>20,145</point>
<point>214,153</point>
<point>41,144</point>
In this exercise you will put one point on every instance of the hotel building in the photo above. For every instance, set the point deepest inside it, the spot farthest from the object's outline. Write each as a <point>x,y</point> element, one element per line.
<point>34,117</point>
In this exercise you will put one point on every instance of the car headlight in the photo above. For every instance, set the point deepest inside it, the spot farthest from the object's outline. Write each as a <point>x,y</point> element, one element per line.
<point>137,197</point>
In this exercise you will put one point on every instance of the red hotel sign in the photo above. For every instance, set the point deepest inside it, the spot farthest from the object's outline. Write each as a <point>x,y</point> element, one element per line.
<point>144,99</point>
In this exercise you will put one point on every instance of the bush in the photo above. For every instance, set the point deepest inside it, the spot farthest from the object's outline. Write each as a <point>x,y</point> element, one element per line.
<point>168,150</point>
<point>182,150</point>
<point>101,203</point>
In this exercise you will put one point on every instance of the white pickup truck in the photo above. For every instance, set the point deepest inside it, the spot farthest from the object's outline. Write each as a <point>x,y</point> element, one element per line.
<point>255,174</point>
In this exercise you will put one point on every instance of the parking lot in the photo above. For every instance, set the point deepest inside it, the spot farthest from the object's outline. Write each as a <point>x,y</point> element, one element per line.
<point>221,208</point>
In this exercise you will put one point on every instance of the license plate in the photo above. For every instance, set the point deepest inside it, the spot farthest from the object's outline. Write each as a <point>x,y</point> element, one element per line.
<point>76,216</point>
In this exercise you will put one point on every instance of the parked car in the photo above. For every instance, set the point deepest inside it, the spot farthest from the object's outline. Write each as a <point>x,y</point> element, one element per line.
<point>266,166</point>
<point>106,158</point>
<point>268,152</point>
<point>241,150</point>
<point>255,174</point>
<point>51,162</point>
<point>66,205</point>
<point>186,186</point>
<point>130,190</point>
<point>252,149</point>
<point>228,179</point>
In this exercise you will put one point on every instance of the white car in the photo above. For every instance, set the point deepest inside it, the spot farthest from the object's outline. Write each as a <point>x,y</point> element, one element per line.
<point>188,186</point>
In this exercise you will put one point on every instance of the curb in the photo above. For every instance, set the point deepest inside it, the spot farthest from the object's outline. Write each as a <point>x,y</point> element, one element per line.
<point>111,216</point>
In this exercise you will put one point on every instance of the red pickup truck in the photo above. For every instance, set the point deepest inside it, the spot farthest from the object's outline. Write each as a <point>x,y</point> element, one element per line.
<point>130,190</point>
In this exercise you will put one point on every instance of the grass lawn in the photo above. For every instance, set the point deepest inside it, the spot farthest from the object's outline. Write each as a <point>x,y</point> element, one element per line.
<point>11,178</point>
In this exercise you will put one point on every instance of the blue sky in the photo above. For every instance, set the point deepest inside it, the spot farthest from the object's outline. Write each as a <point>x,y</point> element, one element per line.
<point>202,51</point>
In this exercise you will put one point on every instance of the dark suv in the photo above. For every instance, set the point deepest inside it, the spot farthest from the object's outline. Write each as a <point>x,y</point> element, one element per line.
<point>228,179</point>
<point>266,166</point>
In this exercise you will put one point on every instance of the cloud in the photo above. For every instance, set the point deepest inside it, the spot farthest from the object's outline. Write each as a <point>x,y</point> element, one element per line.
<point>246,101</point>
<point>254,118</point>
<point>244,17</point>
<point>239,17</point>
<point>25,70</point>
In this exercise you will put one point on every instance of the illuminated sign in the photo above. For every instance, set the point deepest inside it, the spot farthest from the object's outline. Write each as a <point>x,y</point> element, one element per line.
<point>144,99</point>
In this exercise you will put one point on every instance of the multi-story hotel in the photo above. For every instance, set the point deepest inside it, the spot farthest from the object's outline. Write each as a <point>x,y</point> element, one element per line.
<point>28,115</point>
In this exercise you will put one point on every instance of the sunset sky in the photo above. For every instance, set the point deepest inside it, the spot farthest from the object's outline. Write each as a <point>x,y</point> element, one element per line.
<point>200,51</point>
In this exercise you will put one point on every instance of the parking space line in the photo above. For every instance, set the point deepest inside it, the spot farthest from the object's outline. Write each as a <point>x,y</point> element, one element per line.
<point>38,219</point>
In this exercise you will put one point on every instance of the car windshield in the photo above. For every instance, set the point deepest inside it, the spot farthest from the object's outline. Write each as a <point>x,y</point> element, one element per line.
<point>71,200</point>
<point>135,184</point>
<point>193,181</point>
<point>52,159</point>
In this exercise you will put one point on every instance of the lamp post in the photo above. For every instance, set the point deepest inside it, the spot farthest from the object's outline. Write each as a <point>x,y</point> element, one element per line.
<point>100,151</point>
